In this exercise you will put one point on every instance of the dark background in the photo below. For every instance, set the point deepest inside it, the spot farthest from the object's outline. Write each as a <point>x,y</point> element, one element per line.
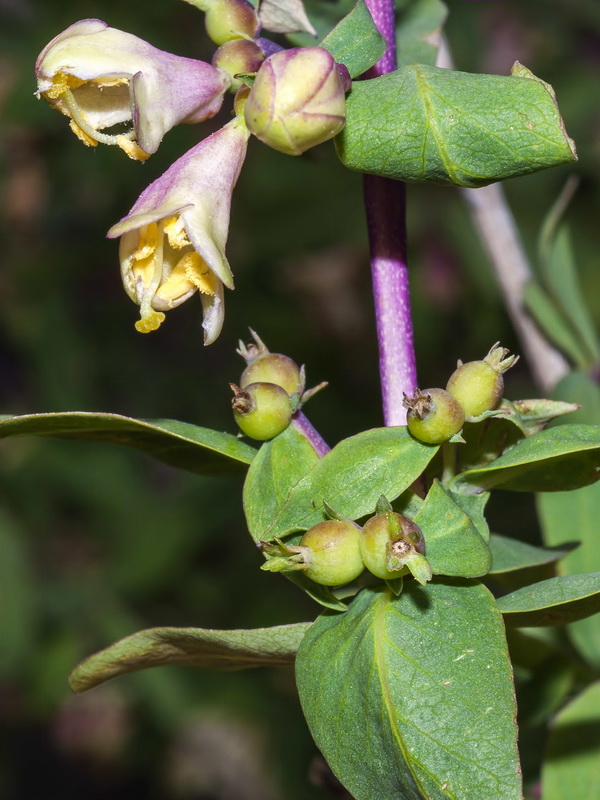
<point>96,541</point>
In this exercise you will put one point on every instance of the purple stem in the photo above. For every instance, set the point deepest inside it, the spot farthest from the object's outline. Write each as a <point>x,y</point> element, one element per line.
<point>385,205</point>
<point>303,426</point>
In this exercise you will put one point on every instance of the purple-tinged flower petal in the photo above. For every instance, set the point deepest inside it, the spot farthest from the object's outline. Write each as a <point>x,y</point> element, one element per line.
<point>100,77</point>
<point>173,239</point>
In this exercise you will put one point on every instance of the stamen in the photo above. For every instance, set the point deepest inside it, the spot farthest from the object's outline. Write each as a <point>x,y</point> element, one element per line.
<point>79,118</point>
<point>148,315</point>
<point>176,233</point>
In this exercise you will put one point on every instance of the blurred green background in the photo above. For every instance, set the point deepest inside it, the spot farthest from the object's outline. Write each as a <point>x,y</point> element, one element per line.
<point>96,541</point>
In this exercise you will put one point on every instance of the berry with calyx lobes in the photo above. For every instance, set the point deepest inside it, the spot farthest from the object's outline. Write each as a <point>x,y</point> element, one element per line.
<point>478,385</point>
<point>388,544</point>
<point>261,410</point>
<point>434,415</point>
<point>332,552</point>
<point>230,19</point>
<point>266,367</point>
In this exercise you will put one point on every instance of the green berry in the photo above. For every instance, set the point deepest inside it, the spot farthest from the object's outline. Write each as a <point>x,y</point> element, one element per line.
<point>386,543</point>
<point>478,385</point>
<point>274,368</point>
<point>261,410</point>
<point>332,552</point>
<point>434,415</point>
<point>231,19</point>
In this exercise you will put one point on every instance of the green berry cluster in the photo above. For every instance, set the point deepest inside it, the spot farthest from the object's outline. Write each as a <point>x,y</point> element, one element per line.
<point>337,551</point>
<point>436,415</point>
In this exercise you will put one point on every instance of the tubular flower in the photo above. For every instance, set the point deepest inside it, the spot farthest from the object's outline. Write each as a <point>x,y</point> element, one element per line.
<point>173,239</point>
<point>100,77</point>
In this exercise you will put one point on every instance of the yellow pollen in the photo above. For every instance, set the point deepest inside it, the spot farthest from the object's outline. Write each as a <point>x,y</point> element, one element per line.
<point>102,82</point>
<point>60,82</point>
<point>176,233</point>
<point>82,135</point>
<point>198,273</point>
<point>132,149</point>
<point>146,243</point>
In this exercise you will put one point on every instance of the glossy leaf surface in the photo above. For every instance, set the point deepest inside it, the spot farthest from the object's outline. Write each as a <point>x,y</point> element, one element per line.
<point>196,647</point>
<point>423,123</point>
<point>352,477</point>
<point>556,601</point>
<point>411,697</point>
<point>179,444</point>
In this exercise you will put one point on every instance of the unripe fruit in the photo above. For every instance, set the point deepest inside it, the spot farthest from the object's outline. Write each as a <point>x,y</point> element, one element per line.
<point>434,415</point>
<point>298,99</point>
<point>478,385</point>
<point>231,19</point>
<point>261,410</point>
<point>274,368</point>
<point>386,542</point>
<point>332,552</point>
<point>238,56</point>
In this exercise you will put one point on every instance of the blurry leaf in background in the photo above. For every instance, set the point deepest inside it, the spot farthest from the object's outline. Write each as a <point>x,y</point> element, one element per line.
<point>556,601</point>
<point>418,30</point>
<point>571,765</point>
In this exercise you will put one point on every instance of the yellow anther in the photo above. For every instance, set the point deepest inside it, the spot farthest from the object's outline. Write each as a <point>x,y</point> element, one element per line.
<point>82,135</point>
<point>176,233</point>
<point>132,148</point>
<point>147,242</point>
<point>199,273</point>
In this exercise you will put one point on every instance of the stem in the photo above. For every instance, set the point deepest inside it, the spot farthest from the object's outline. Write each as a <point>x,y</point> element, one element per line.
<point>385,205</point>
<point>304,426</point>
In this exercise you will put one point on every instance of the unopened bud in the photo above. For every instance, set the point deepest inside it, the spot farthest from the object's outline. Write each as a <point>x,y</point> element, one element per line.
<point>298,100</point>
<point>230,19</point>
<point>238,56</point>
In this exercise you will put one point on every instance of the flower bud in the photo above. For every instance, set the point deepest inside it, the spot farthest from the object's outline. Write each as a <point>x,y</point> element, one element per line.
<point>298,100</point>
<point>478,385</point>
<point>238,56</point>
<point>434,416</point>
<point>388,545</point>
<point>261,410</point>
<point>231,19</point>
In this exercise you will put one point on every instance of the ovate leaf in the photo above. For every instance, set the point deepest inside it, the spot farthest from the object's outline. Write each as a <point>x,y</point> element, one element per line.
<point>178,444</point>
<point>275,470</point>
<point>571,766</point>
<point>423,123</point>
<point>411,697</point>
<point>556,601</point>
<point>355,41</point>
<point>453,545</point>
<point>196,647</point>
<point>561,458</point>
<point>352,477</point>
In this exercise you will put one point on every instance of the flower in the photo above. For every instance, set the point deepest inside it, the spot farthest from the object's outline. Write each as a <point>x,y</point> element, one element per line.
<point>298,99</point>
<point>100,77</point>
<point>173,239</point>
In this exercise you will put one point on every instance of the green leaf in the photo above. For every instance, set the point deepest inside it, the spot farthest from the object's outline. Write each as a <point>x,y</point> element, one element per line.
<point>550,319</point>
<point>352,477</point>
<point>509,555</point>
<point>423,123</point>
<point>178,444</point>
<point>275,470</point>
<point>355,41</point>
<point>453,545</point>
<point>561,458</point>
<point>411,697</point>
<point>419,30</point>
<point>474,505</point>
<point>556,601</point>
<point>195,647</point>
<point>571,767</point>
<point>579,387</point>
<point>559,275</point>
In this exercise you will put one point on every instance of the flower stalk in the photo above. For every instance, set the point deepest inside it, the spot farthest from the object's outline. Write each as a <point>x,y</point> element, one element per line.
<point>385,205</point>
